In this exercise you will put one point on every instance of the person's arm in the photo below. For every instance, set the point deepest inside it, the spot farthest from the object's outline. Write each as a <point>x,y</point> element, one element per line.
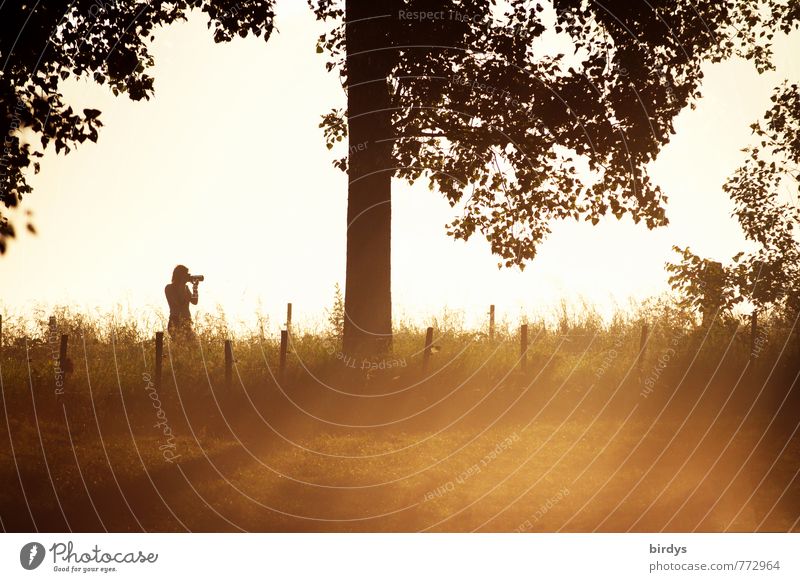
<point>194,296</point>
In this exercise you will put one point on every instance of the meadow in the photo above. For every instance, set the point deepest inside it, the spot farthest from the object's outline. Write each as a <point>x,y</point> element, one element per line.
<point>597,427</point>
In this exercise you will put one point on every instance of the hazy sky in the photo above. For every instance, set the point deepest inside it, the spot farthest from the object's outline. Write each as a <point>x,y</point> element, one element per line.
<point>226,171</point>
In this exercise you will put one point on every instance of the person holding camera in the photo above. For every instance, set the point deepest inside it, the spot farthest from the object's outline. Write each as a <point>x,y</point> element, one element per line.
<point>179,297</point>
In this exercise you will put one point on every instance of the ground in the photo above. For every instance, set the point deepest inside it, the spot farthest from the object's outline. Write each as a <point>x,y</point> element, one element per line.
<point>519,452</point>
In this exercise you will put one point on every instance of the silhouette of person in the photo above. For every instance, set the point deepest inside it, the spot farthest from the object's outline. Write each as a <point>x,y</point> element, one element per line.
<point>179,297</point>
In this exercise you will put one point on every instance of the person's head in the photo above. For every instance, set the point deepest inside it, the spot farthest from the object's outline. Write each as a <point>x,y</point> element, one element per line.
<point>180,274</point>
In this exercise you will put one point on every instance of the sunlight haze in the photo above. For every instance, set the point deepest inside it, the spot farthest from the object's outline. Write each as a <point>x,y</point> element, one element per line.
<point>226,171</point>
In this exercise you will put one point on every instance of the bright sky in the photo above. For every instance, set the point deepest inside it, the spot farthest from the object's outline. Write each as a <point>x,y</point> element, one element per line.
<point>226,171</point>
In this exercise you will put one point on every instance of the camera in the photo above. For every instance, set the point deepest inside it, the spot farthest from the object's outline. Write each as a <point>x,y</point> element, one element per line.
<point>194,279</point>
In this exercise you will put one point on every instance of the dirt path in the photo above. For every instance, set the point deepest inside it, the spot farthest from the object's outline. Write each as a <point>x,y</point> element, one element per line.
<point>574,465</point>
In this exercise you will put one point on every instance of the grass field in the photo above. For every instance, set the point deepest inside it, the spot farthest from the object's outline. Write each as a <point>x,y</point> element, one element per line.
<point>591,435</point>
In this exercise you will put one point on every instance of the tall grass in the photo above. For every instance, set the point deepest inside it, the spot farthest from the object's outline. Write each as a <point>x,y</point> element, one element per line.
<point>110,351</point>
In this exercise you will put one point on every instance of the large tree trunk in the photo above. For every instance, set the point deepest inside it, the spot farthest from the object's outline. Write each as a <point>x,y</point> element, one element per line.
<point>368,294</point>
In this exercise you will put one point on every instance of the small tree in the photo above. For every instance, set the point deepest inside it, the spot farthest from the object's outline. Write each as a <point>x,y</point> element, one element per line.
<point>336,315</point>
<point>705,286</point>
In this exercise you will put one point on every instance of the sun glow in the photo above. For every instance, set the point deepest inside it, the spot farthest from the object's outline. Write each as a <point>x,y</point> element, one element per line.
<point>226,171</point>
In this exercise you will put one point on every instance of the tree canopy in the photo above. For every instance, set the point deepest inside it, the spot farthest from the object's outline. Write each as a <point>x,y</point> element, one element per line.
<point>515,136</point>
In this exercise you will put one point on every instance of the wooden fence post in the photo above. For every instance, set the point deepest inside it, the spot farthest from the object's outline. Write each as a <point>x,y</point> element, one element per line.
<point>63,364</point>
<point>228,364</point>
<point>491,323</point>
<point>62,351</point>
<point>642,347</point>
<point>284,346</point>
<point>523,346</point>
<point>289,317</point>
<point>159,358</point>
<point>52,331</point>
<point>426,353</point>
<point>753,335</point>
